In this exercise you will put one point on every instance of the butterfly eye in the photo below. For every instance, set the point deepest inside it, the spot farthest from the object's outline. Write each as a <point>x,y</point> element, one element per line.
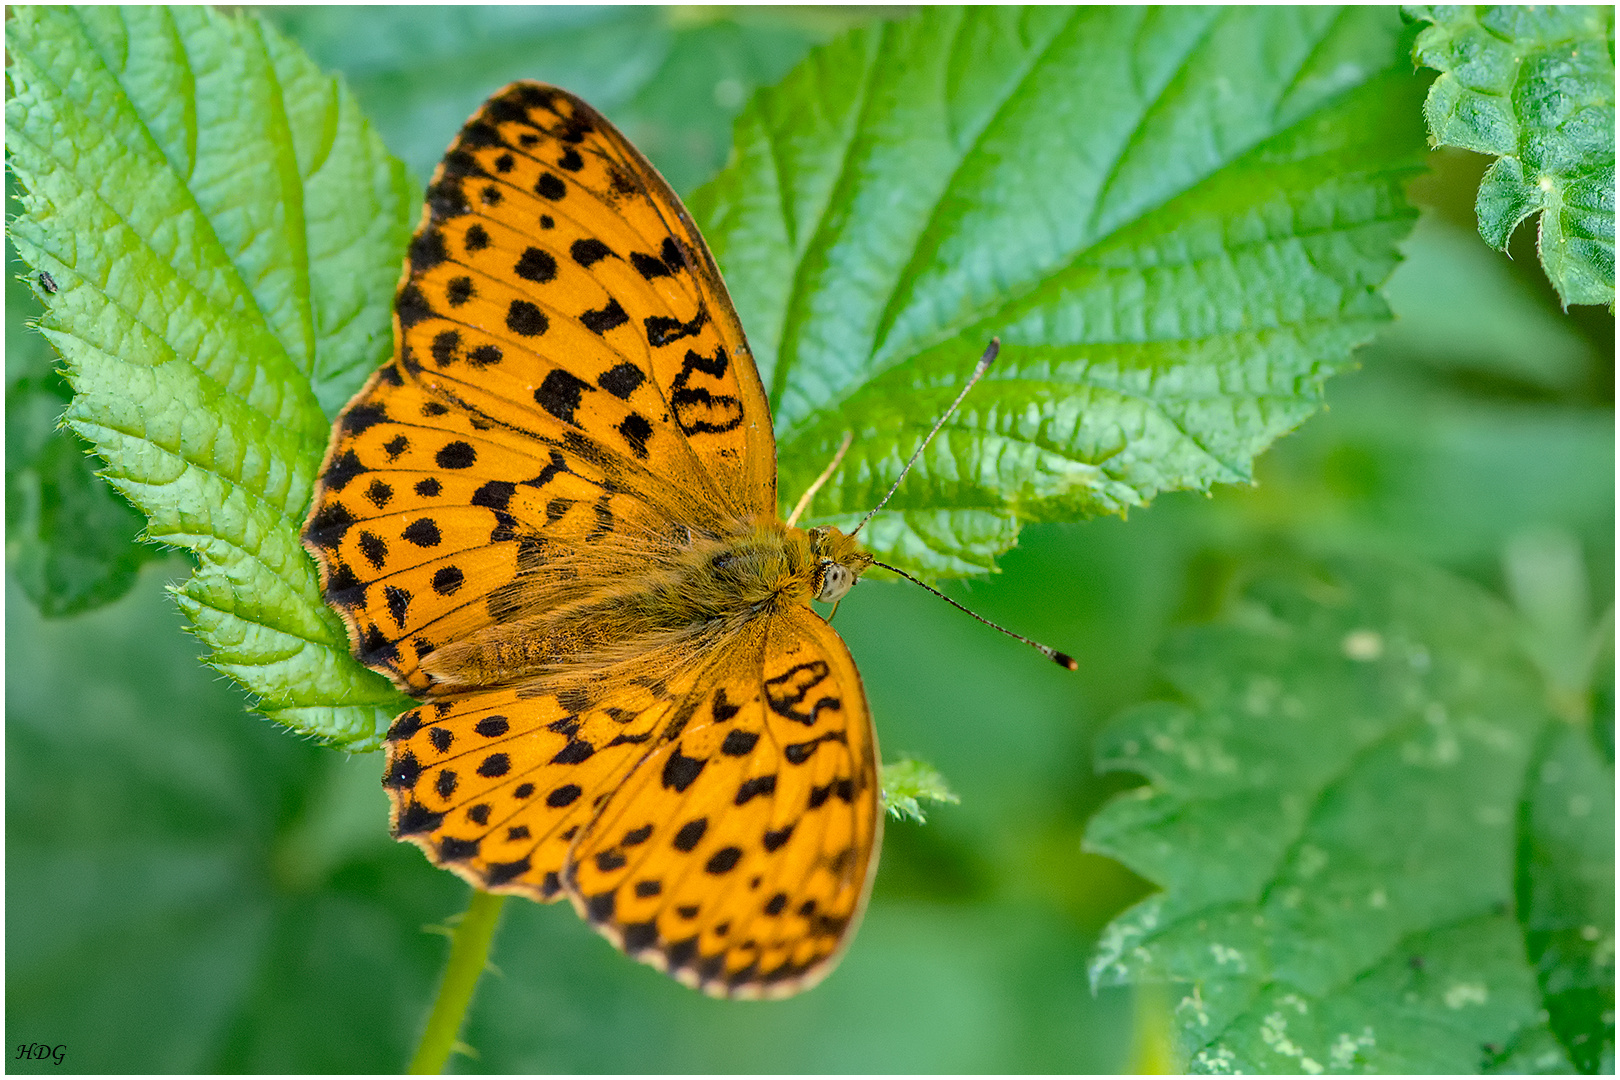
<point>836,580</point>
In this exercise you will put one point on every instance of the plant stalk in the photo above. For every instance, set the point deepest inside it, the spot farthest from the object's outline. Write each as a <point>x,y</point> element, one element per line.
<point>469,953</point>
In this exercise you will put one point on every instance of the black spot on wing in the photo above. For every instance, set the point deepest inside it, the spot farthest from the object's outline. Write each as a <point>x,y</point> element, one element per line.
<point>411,306</point>
<point>399,601</point>
<point>536,265</point>
<point>680,770</point>
<point>573,752</point>
<point>560,393</point>
<point>621,380</point>
<point>407,724</point>
<point>754,787</point>
<point>649,266</point>
<point>402,772</point>
<point>501,873</point>
<point>724,860</point>
<point>476,134</point>
<point>363,416</point>
<point>563,796</point>
<point>494,494</point>
<point>344,469</point>
<point>589,251</point>
<point>329,525</point>
<point>422,532</point>
<point>427,250</point>
<point>550,186</point>
<point>739,743</point>
<point>526,320</point>
<point>663,329</point>
<point>688,835</point>
<point>604,319</point>
<point>416,818</point>
<point>454,849</point>
<point>491,727</point>
<point>456,455</point>
<point>635,430</point>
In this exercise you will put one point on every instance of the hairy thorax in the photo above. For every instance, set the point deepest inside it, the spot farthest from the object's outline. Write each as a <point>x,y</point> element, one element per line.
<point>697,589</point>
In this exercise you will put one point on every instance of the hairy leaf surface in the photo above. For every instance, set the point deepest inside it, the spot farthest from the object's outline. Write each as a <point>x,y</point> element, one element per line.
<point>1175,220</point>
<point>224,231</point>
<point>1336,813</point>
<point>1534,88</point>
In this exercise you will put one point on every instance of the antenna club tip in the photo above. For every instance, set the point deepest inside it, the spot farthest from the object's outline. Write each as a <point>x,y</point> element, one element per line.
<point>1064,660</point>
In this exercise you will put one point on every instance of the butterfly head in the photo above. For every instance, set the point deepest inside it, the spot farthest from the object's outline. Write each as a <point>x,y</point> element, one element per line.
<point>836,564</point>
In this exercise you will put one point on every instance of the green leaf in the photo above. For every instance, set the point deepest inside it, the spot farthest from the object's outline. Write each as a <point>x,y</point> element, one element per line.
<point>1176,221</point>
<point>1332,816</point>
<point>907,784</point>
<point>1566,893</point>
<point>1533,87</point>
<point>225,232</point>
<point>459,55</point>
<point>70,539</point>
<point>672,79</point>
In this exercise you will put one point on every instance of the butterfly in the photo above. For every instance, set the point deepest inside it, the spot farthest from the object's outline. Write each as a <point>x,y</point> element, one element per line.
<point>552,518</point>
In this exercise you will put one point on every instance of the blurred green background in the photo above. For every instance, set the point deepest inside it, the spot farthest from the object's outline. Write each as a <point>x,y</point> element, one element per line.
<point>192,889</point>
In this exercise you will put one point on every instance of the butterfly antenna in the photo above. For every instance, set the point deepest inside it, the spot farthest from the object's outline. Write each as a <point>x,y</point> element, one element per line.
<point>1063,660</point>
<point>978,373</point>
<point>826,474</point>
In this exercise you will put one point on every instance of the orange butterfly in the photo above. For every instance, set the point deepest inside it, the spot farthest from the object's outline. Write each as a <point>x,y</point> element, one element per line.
<point>553,518</point>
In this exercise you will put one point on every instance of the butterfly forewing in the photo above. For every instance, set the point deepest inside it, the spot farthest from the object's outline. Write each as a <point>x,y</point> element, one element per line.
<point>550,237</point>
<point>565,350</point>
<point>426,511</point>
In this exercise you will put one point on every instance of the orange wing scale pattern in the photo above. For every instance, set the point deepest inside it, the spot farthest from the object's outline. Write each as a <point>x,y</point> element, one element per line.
<point>739,854</point>
<point>544,230</point>
<point>570,384</point>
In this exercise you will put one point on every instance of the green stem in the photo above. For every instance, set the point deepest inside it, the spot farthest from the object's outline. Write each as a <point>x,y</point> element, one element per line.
<point>469,952</point>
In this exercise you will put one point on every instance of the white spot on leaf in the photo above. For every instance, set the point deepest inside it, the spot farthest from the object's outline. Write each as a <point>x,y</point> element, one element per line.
<point>1345,1049</point>
<point>1311,861</point>
<point>1363,645</point>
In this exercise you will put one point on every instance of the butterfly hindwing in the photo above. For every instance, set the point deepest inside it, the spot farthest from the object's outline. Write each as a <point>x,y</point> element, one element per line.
<point>738,854</point>
<point>497,784</point>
